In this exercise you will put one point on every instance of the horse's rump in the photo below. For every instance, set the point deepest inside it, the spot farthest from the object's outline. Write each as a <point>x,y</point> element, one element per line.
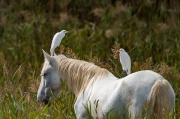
<point>160,100</point>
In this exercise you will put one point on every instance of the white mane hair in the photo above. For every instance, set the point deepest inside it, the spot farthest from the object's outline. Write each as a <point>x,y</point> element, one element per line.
<point>78,72</point>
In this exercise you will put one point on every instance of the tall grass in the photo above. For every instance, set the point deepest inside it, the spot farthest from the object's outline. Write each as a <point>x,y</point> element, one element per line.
<point>148,30</point>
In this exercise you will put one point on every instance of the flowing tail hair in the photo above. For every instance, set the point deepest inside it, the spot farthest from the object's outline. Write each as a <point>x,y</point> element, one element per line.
<point>161,99</point>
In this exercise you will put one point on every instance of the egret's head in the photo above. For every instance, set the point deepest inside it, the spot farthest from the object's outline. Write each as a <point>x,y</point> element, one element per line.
<point>64,31</point>
<point>121,50</point>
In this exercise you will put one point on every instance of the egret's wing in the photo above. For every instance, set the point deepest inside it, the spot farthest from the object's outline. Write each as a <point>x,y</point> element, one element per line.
<point>125,62</point>
<point>128,62</point>
<point>54,44</point>
<point>56,41</point>
<point>59,38</point>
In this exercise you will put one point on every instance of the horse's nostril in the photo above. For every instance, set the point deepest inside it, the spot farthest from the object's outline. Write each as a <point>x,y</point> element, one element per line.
<point>45,101</point>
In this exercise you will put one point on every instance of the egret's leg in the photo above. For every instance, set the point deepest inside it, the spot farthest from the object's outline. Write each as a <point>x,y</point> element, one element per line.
<point>123,74</point>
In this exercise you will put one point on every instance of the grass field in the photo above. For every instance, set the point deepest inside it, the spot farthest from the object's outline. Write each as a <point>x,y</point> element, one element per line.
<point>148,31</point>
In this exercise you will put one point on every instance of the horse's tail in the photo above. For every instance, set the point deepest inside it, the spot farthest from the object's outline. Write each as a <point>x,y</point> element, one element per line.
<point>161,99</point>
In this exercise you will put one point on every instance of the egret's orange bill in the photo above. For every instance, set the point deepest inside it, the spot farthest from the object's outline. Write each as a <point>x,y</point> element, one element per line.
<point>67,32</point>
<point>119,50</point>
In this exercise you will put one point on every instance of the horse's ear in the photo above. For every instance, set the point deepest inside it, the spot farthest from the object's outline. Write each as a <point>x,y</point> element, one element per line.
<point>47,56</point>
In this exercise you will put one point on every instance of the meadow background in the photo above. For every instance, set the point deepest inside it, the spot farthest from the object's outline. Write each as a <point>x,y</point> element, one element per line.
<point>147,30</point>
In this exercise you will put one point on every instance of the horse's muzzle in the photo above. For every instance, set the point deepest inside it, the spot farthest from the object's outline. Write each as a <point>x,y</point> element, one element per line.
<point>45,101</point>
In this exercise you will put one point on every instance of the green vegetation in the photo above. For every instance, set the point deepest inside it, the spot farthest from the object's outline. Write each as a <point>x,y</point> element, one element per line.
<point>147,30</point>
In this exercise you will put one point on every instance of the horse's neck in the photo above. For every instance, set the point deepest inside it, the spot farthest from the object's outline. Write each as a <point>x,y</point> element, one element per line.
<point>108,79</point>
<point>69,73</point>
<point>78,74</point>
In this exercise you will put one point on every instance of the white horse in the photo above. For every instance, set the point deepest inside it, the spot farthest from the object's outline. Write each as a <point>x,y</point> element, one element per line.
<point>99,94</point>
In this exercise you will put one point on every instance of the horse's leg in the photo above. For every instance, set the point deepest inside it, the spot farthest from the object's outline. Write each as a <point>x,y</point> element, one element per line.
<point>80,109</point>
<point>135,111</point>
<point>148,114</point>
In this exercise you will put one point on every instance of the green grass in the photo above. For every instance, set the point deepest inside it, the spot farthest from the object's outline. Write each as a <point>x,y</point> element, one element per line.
<point>97,29</point>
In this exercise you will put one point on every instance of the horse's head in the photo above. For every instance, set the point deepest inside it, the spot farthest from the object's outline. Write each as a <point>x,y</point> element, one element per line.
<point>50,79</point>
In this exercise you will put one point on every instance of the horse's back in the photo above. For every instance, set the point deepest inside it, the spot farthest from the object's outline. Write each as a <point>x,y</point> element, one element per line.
<point>131,92</point>
<point>109,96</point>
<point>137,86</point>
<point>142,77</point>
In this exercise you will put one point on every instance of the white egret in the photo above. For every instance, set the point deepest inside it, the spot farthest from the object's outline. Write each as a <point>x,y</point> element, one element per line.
<point>57,40</point>
<point>125,61</point>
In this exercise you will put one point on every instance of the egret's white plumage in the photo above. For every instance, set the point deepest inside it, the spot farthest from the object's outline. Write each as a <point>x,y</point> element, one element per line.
<point>57,40</point>
<point>125,61</point>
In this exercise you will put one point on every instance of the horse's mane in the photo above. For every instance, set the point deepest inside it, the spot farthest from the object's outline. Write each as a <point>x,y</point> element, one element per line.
<point>78,72</point>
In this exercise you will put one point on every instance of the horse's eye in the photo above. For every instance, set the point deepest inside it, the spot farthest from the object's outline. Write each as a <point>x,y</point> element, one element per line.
<point>44,74</point>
